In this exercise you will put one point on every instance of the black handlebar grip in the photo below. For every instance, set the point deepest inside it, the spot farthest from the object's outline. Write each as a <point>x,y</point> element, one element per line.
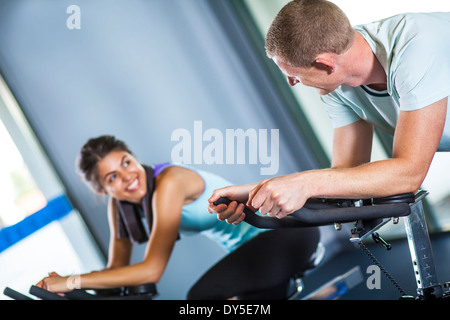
<point>45,294</point>
<point>79,294</point>
<point>320,213</point>
<point>265,222</point>
<point>142,289</point>
<point>15,294</point>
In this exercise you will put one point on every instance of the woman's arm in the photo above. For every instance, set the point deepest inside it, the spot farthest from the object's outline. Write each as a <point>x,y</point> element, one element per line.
<point>168,200</point>
<point>119,253</point>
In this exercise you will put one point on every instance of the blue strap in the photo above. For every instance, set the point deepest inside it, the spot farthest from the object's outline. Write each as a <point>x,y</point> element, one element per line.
<point>55,210</point>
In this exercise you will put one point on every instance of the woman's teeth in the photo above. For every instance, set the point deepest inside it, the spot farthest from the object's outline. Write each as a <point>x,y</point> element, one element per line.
<point>133,185</point>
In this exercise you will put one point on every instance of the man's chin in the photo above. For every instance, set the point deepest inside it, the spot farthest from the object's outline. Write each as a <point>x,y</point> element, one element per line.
<point>323,92</point>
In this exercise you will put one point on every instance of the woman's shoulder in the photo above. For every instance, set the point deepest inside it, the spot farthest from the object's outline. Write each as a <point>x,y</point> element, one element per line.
<point>173,171</point>
<point>180,178</point>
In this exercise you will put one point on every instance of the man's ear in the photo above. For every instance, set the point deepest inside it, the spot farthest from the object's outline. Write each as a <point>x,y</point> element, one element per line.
<point>325,62</point>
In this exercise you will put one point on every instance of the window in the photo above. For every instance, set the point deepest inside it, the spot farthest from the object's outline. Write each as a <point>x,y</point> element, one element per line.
<point>19,194</point>
<point>39,231</point>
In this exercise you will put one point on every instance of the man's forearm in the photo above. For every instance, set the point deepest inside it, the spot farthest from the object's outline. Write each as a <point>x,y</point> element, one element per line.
<point>374,179</point>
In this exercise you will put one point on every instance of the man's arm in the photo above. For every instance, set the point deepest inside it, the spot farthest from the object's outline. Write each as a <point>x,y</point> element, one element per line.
<point>416,139</point>
<point>352,145</point>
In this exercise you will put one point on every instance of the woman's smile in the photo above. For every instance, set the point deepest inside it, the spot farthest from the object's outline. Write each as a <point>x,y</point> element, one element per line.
<point>134,185</point>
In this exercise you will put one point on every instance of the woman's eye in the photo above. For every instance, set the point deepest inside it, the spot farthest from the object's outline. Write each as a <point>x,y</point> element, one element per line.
<point>112,178</point>
<point>126,163</point>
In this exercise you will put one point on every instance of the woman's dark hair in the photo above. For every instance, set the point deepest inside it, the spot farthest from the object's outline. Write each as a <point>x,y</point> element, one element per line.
<point>92,152</point>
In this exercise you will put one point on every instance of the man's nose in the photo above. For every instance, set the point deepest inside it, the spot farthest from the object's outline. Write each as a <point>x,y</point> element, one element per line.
<point>292,81</point>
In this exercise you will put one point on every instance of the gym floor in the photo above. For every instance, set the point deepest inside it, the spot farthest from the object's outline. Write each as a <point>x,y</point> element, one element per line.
<point>397,262</point>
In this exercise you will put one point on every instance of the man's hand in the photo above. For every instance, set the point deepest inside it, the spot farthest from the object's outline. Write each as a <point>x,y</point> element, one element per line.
<point>280,196</point>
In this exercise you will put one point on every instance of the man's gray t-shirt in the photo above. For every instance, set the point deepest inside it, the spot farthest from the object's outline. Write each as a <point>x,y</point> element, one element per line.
<point>414,50</point>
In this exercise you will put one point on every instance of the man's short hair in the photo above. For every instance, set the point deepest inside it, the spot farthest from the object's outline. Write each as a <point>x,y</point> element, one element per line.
<point>303,29</point>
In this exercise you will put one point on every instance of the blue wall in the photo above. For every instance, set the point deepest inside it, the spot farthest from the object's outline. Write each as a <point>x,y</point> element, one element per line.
<point>139,70</point>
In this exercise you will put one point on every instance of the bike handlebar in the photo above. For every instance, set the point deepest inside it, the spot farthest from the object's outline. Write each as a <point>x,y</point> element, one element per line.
<point>45,294</point>
<point>320,212</point>
<point>15,294</point>
<point>139,292</point>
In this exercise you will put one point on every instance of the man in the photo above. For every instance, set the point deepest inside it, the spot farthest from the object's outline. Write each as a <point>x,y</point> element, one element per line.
<point>393,74</point>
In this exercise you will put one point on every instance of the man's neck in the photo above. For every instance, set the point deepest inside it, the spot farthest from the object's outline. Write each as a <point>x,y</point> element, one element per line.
<point>365,69</point>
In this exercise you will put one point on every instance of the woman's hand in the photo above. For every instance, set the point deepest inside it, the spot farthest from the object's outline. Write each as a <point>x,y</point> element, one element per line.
<point>234,212</point>
<point>56,283</point>
<point>275,197</point>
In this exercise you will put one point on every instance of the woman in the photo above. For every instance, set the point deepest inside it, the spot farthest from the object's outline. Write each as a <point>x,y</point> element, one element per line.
<point>173,199</point>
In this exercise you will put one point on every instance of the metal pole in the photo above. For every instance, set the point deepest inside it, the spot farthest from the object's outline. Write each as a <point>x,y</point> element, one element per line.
<point>428,286</point>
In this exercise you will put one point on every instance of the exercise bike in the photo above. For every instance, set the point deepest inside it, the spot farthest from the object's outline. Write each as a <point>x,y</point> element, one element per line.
<point>146,291</point>
<point>369,215</point>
